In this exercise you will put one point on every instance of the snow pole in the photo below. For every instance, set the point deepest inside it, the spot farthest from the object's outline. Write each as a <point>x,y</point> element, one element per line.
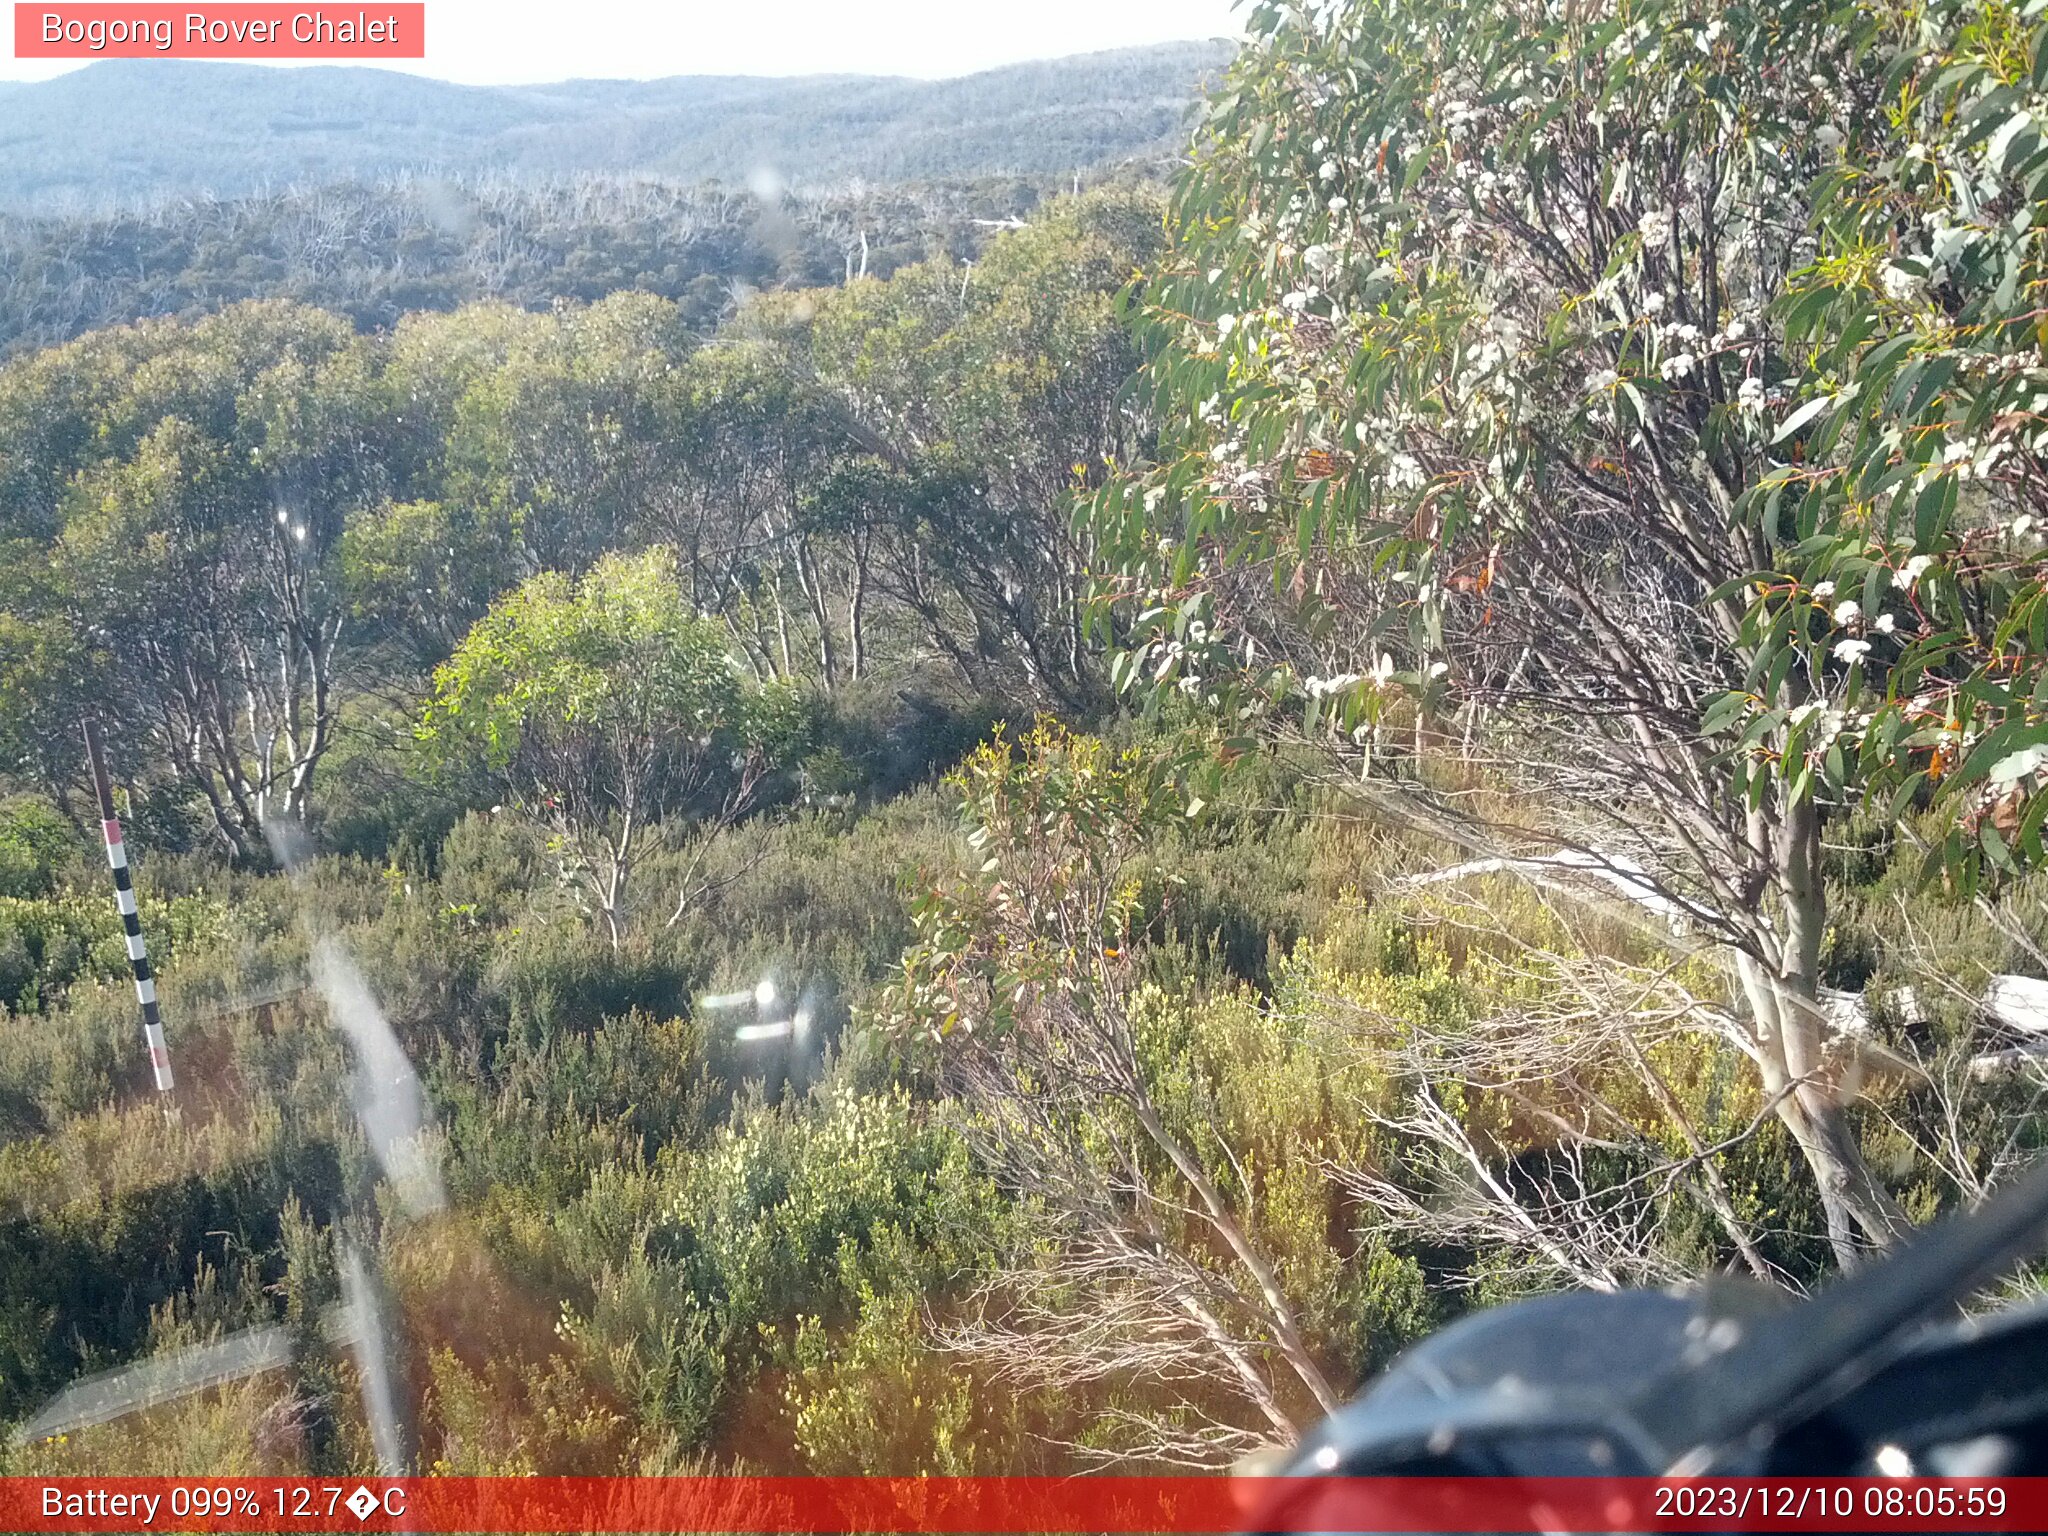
<point>131,921</point>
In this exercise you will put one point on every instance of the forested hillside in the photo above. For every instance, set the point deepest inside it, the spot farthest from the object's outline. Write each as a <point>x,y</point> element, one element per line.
<point>1035,863</point>
<point>158,131</point>
<point>375,253</point>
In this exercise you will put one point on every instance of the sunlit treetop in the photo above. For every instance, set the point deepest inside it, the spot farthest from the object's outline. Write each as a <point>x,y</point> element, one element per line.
<point>1664,358</point>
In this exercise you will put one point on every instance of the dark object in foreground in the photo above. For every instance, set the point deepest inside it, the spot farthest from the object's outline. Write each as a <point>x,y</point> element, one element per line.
<point>1878,1375</point>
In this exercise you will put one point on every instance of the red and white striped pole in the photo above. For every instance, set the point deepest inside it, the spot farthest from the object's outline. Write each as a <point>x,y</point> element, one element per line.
<point>131,921</point>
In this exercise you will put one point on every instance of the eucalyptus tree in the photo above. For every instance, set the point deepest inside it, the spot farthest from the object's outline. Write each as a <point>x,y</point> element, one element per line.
<point>187,486</point>
<point>609,709</point>
<point>986,393</point>
<point>1645,393</point>
<point>566,432</point>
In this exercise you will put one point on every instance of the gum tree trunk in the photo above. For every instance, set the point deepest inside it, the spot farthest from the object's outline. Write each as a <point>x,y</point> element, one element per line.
<point>1802,1066</point>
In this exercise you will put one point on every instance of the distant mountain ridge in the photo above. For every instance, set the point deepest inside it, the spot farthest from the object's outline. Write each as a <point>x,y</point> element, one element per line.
<point>127,131</point>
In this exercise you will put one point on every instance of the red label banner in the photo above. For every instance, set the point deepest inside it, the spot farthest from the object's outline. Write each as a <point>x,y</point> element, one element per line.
<point>230,31</point>
<point>1021,1506</point>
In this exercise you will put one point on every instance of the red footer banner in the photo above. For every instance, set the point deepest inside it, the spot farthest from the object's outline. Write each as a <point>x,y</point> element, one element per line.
<point>1021,1506</point>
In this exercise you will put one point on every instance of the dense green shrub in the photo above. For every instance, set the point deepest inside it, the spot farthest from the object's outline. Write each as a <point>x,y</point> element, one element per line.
<point>47,943</point>
<point>35,842</point>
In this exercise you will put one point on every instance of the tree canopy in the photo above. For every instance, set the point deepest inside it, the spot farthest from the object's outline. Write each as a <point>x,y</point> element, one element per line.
<point>1633,394</point>
<point>608,706</point>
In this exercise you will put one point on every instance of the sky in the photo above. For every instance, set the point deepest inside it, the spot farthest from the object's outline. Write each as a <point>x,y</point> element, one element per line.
<point>516,42</point>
